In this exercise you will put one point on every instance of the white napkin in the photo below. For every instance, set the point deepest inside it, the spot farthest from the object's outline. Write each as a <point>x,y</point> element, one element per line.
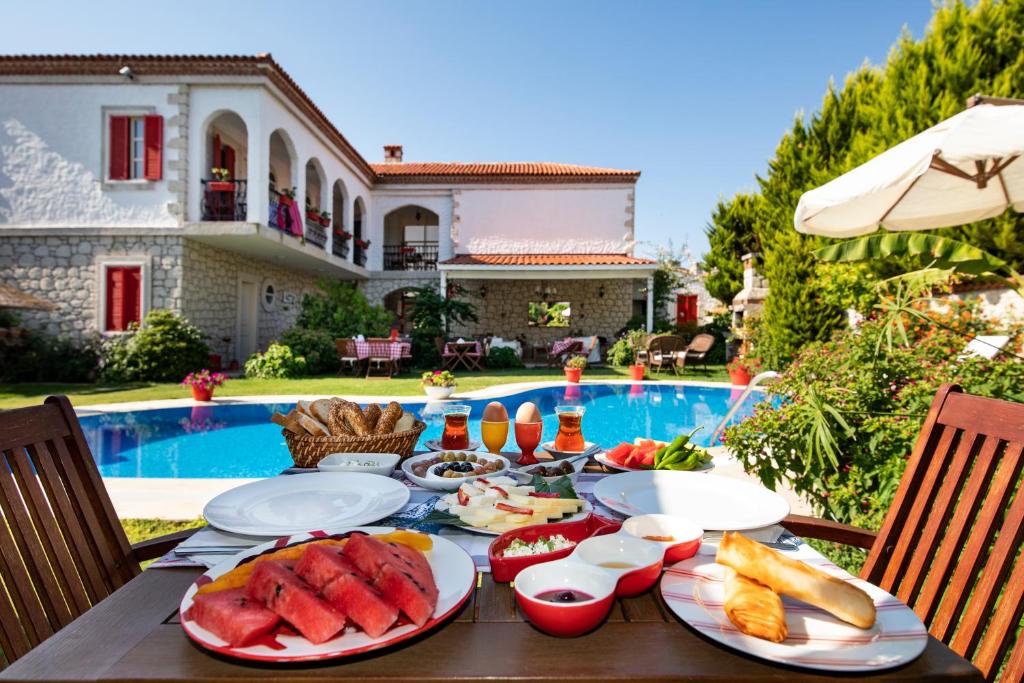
<point>768,534</point>
<point>208,537</point>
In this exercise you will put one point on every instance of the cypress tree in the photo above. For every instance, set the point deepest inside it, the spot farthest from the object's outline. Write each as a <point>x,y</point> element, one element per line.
<point>730,235</point>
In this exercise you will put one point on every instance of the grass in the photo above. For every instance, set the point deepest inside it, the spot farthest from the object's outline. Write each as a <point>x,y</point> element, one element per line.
<point>19,395</point>
<point>145,529</point>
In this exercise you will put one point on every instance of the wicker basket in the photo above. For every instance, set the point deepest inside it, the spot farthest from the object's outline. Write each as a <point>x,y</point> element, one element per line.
<point>308,450</point>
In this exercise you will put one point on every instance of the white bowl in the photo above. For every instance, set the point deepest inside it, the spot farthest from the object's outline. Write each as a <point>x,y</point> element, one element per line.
<point>589,447</point>
<point>436,483</point>
<point>371,463</point>
<point>523,476</point>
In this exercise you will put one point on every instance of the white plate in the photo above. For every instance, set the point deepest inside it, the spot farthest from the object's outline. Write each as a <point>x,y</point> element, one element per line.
<point>694,591</point>
<point>454,573</point>
<point>603,459</point>
<point>295,503</point>
<point>523,476</point>
<point>588,447</point>
<point>582,514</point>
<point>435,445</point>
<point>711,502</point>
<point>436,483</point>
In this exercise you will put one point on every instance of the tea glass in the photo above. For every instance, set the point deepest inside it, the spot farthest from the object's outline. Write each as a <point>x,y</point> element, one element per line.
<point>570,429</point>
<point>456,427</point>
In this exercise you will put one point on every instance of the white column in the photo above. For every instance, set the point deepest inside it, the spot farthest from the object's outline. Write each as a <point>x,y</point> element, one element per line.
<point>650,303</point>
<point>443,291</point>
<point>257,171</point>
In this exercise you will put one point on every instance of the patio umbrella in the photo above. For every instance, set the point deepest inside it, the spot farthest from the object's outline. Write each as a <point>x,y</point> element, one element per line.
<point>12,297</point>
<point>964,169</point>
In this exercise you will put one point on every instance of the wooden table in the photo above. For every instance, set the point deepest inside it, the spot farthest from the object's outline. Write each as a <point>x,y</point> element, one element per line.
<point>134,635</point>
<point>468,354</point>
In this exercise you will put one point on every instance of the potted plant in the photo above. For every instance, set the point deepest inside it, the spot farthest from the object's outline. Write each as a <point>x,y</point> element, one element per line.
<point>636,371</point>
<point>325,219</point>
<point>340,232</point>
<point>363,244</point>
<point>313,214</point>
<point>221,180</point>
<point>574,368</point>
<point>203,383</point>
<point>287,197</point>
<point>438,384</point>
<point>741,369</point>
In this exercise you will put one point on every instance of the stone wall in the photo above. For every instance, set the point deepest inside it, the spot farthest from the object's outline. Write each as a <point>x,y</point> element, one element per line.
<point>376,288</point>
<point>503,309</point>
<point>64,269</point>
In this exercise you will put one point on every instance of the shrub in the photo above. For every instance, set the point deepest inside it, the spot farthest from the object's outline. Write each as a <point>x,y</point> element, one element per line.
<point>40,358</point>
<point>437,378</point>
<point>503,357</point>
<point>165,348</point>
<point>623,351</point>
<point>342,311</point>
<point>851,409</point>
<point>277,362</point>
<point>316,346</point>
<point>576,362</point>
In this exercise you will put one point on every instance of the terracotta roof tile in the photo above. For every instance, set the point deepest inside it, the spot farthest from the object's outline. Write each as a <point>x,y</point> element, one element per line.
<point>531,171</point>
<point>547,260</point>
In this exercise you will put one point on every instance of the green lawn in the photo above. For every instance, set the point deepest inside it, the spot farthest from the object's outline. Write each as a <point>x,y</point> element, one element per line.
<point>18,395</point>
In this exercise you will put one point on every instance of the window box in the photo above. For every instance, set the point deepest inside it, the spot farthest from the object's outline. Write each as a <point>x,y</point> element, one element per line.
<point>220,186</point>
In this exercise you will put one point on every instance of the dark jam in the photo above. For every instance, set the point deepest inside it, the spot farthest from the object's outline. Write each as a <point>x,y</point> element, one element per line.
<point>564,596</point>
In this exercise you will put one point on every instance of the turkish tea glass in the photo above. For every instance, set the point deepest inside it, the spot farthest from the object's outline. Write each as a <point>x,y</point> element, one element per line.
<point>456,427</point>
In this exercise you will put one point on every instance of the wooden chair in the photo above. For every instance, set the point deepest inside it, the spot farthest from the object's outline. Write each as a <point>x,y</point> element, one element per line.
<point>950,545</point>
<point>696,350</point>
<point>663,350</point>
<point>555,360</point>
<point>347,356</point>
<point>62,548</point>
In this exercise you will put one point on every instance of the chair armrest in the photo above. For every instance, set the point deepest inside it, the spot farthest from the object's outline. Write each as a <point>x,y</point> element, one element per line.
<point>161,545</point>
<point>824,530</point>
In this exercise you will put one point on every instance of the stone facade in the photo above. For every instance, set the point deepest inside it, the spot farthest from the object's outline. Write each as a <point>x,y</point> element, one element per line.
<point>376,288</point>
<point>599,307</point>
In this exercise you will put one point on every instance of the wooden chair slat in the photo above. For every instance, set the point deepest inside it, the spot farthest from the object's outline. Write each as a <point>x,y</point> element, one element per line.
<point>22,633</point>
<point>964,516</point>
<point>81,550</point>
<point>966,412</point>
<point>1014,670</point>
<point>950,484</point>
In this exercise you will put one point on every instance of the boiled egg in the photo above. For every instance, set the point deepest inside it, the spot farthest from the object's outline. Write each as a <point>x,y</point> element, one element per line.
<point>495,412</point>
<point>527,413</point>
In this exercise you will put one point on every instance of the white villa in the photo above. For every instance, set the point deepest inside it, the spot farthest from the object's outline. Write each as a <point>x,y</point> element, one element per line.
<point>110,206</point>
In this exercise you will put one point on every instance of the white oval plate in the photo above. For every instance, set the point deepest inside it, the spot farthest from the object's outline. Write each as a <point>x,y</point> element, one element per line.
<point>582,514</point>
<point>602,458</point>
<point>294,503</point>
<point>694,591</point>
<point>436,483</point>
<point>711,502</point>
<point>454,574</point>
<point>435,445</point>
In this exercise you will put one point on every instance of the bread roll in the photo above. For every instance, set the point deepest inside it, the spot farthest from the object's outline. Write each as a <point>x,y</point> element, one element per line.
<point>753,608</point>
<point>372,413</point>
<point>796,579</point>
<point>389,418</point>
<point>336,419</point>
<point>356,420</point>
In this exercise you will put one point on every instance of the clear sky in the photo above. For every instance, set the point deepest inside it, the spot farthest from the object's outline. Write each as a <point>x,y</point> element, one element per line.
<point>694,94</point>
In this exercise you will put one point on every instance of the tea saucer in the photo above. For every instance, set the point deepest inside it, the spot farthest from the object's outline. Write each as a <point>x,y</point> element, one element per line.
<point>435,445</point>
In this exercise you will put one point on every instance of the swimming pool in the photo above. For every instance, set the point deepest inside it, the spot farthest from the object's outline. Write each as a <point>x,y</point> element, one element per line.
<point>238,440</point>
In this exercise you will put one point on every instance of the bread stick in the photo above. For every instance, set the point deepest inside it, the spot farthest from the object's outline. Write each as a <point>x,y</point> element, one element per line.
<point>389,418</point>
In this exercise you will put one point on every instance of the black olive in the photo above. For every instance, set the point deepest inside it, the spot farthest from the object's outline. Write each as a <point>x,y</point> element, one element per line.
<point>566,596</point>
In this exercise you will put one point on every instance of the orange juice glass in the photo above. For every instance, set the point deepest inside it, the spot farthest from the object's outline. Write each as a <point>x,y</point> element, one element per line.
<point>456,427</point>
<point>494,434</point>
<point>570,428</point>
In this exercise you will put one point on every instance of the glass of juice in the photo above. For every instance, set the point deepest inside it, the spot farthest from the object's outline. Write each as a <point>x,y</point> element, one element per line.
<point>456,427</point>
<point>494,434</point>
<point>570,428</point>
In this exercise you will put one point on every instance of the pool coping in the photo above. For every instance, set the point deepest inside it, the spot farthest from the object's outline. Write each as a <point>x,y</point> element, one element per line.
<point>496,391</point>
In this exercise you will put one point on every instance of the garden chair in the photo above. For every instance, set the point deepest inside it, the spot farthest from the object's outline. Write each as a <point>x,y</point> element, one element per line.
<point>663,350</point>
<point>347,355</point>
<point>950,545</point>
<point>448,359</point>
<point>561,351</point>
<point>697,350</point>
<point>62,547</point>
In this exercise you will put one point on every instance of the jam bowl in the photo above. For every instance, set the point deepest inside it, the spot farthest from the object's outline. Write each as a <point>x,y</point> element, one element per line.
<point>565,598</point>
<point>679,537</point>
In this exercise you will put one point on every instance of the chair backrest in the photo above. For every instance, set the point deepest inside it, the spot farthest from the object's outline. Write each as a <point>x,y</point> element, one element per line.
<point>62,548</point>
<point>950,546</point>
<point>702,343</point>
<point>665,343</point>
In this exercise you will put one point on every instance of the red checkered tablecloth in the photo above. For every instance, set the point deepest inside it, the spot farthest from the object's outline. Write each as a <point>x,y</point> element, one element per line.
<point>560,347</point>
<point>392,350</point>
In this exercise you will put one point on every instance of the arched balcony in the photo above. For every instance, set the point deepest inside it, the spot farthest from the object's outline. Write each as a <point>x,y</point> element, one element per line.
<point>317,217</point>
<point>225,173</point>
<point>362,244</point>
<point>284,213</point>
<point>410,239</point>
<point>341,237</point>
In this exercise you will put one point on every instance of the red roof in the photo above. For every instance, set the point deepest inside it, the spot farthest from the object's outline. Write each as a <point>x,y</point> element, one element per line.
<point>547,260</point>
<point>490,171</point>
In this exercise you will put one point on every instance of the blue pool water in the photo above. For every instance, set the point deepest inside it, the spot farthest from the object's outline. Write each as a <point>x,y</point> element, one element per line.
<point>240,441</point>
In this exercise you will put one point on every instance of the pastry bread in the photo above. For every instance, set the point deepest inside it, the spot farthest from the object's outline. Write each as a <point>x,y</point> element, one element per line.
<point>336,419</point>
<point>753,608</point>
<point>389,418</point>
<point>356,420</point>
<point>796,579</point>
<point>373,413</point>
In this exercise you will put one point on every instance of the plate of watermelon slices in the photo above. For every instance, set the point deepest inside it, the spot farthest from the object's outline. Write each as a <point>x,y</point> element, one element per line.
<point>325,595</point>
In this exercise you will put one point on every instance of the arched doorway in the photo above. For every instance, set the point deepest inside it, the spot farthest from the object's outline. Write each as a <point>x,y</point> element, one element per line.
<point>316,198</point>
<point>361,243</point>
<point>410,239</point>
<point>284,214</point>
<point>339,243</point>
<point>224,189</point>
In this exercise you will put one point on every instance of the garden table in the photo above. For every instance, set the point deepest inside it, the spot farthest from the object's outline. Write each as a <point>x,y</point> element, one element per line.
<point>466,353</point>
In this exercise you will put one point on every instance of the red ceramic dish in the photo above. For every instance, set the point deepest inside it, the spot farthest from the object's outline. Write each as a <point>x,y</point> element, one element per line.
<point>636,564</point>
<point>506,568</point>
<point>570,618</point>
<point>686,536</point>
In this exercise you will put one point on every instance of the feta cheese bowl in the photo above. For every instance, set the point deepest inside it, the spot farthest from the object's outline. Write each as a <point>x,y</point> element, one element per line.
<point>371,463</point>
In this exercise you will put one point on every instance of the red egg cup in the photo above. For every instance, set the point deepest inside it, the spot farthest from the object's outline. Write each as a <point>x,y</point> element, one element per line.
<point>528,436</point>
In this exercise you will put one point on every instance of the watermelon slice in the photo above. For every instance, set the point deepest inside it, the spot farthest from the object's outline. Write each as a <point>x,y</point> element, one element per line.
<point>402,575</point>
<point>232,616</point>
<point>618,454</point>
<point>337,579</point>
<point>286,594</point>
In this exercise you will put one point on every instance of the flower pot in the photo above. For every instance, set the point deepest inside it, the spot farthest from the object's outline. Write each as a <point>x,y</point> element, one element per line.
<point>438,393</point>
<point>573,374</point>
<point>636,372</point>
<point>326,222</point>
<point>220,186</point>
<point>202,393</point>
<point>739,377</point>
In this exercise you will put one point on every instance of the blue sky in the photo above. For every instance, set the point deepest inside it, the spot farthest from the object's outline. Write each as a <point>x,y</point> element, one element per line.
<point>694,94</point>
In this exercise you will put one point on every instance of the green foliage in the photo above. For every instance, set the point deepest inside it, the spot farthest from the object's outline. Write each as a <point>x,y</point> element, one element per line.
<point>343,311</point>
<point>165,348</point>
<point>316,346</point>
<point>730,235</point>
<point>846,412</point>
<point>623,352</point>
<point>503,357</point>
<point>432,316</point>
<point>577,362</point>
<point>8,318</point>
<point>41,358</point>
<point>543,314</point>
<point>278,362</point>
<point>930,249</point>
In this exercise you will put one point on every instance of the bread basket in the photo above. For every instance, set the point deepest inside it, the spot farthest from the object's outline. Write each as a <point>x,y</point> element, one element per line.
<point>308,450</point>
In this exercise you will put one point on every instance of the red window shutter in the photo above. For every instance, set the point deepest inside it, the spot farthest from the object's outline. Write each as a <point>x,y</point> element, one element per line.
<point>216,151</point>
<point>115,299</point>
<point>154,143</point>
<point>132,296</point>
<point>229,160</point>
<point>119,148</point>
<point>691,307</point>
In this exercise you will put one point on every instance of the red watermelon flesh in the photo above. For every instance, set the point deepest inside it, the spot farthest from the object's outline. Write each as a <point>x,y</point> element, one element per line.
<point>402,575</point>
<point>232,616</point>
<point>293,601</point>
<point>346,589</point>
